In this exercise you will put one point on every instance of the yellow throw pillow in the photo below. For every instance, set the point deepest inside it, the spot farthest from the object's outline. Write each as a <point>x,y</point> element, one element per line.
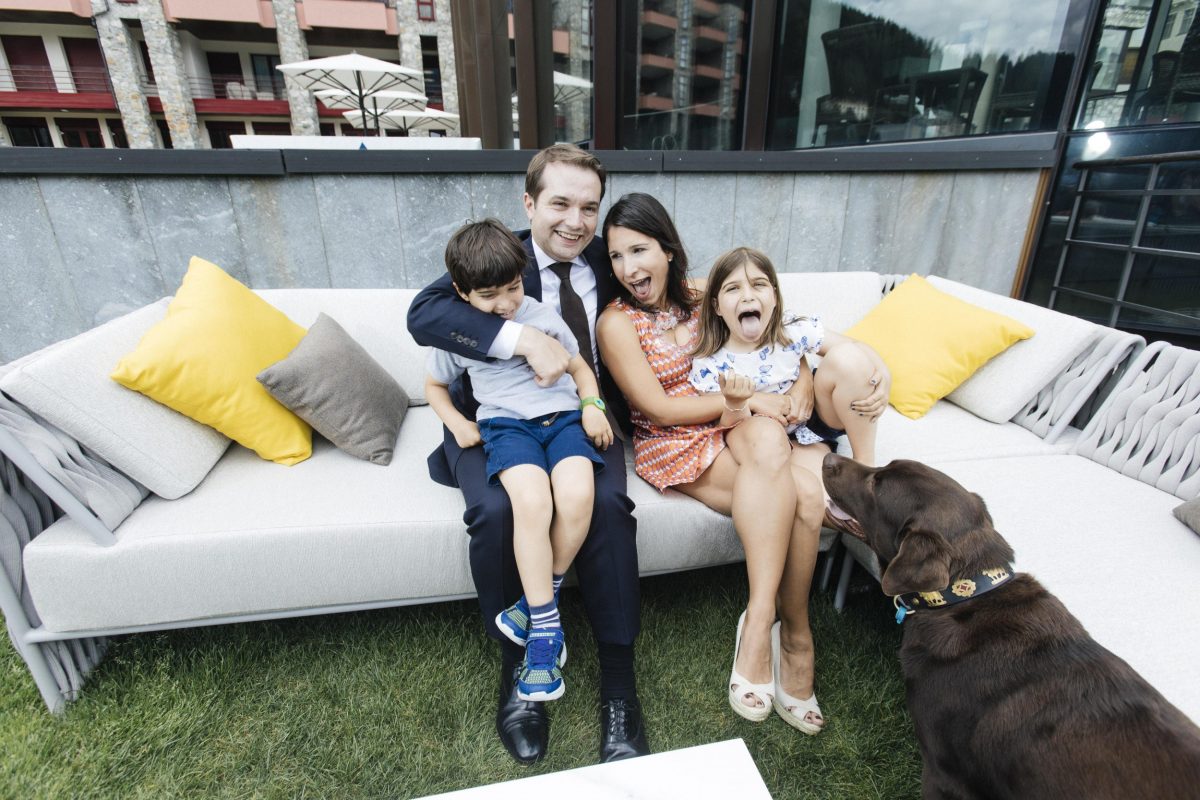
<point>202,360</point>
<point>932,342</point>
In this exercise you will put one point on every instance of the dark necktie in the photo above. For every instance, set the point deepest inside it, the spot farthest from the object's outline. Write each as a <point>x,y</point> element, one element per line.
<point>575,315</point>
<point>573,312</point>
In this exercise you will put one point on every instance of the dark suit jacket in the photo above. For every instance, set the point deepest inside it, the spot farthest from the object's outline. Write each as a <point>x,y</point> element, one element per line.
<point>439,318</point>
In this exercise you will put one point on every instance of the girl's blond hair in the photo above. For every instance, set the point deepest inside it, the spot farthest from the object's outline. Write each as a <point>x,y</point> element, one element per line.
<point>713,331</point>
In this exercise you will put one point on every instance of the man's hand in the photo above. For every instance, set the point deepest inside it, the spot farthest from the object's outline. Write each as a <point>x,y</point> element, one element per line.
<point>596,426</point>
<point>546,356</point>
<point>466,434</point>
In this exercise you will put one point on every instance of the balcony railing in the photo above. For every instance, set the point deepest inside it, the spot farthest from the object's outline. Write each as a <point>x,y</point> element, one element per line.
<point>238,87</point>
<point>44,79</point>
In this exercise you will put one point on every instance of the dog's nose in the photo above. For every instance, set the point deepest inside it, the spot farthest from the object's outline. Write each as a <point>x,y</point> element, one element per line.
<point>830,463</point>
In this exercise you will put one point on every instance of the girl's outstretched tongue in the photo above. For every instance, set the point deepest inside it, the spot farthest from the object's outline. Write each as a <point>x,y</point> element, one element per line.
<point>750,325</point>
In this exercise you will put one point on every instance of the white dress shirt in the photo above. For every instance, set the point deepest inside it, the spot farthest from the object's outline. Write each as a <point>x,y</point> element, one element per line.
<point>583,279</point>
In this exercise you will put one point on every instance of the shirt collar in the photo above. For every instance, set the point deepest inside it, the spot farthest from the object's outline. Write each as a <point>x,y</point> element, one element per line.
<point>544,261</point>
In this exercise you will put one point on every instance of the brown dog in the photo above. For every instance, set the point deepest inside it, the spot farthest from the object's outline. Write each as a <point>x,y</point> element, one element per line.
<point>1009,695</point>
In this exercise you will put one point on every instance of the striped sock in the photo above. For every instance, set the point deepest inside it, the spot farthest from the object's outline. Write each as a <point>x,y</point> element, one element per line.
<point>557,580</point>
<point>544,616</point>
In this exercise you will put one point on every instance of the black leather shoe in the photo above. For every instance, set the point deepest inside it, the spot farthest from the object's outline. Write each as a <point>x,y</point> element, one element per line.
<point>622,734</point>
<point>523,726</point>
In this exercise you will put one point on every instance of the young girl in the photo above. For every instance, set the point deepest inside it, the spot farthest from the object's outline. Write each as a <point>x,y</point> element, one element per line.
<point>742,331</point>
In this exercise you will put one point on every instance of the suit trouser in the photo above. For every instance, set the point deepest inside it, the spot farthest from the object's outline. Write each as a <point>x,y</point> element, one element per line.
<point>606,565</point>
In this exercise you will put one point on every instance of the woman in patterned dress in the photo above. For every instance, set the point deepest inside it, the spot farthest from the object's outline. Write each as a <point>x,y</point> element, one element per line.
<point>730,451</point>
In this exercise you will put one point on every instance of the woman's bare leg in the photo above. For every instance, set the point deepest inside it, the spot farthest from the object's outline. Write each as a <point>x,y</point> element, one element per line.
<point>751,481</point>
<point>843,377</point>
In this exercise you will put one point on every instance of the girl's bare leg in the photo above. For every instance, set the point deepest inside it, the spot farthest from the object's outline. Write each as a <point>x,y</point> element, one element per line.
<point>751,480</point>
<point>796,642</point>
<point>843,377</point>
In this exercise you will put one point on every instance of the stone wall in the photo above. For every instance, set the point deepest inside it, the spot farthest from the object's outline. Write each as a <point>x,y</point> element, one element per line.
<point>81,250</point>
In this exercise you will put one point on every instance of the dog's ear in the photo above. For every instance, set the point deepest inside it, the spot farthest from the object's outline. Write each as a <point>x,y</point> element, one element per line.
<point>922,565</point>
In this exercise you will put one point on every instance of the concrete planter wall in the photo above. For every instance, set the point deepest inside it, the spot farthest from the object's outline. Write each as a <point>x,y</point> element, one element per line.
<point>76,251</point>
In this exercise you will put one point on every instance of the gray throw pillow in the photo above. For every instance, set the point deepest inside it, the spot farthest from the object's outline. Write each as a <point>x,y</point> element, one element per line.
<point>334,385</point>
<point>1189,514</point>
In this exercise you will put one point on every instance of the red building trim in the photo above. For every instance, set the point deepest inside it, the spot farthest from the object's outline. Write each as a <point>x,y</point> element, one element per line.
<point>74,101</point>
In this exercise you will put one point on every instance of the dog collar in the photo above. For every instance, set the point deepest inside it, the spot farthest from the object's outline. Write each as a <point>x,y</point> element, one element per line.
<point>958,591</point>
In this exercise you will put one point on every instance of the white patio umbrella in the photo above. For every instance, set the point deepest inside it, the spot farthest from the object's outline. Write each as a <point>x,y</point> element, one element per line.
<point>358,75</point>
<point>431,119</point>
<point>380,101</point>
<point>568,87</point>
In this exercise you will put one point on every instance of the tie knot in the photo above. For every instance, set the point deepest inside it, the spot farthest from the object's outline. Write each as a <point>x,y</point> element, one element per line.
<point>562,269</point>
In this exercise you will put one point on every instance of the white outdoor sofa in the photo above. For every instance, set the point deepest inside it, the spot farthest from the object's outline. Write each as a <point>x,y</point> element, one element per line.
<point>1087,510</point>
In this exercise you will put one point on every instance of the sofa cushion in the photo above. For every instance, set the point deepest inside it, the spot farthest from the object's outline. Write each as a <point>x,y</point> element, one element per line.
<point>329,531</point>
<point>839,298</point>
<point>1189,513</point>
<point>950,433</point>
<point>1101,542</point>
<point>932,341</point>
<point>202,359</point>
<point>69,385</point>
<point>334,385</point>
<point>375,318</point>
<point>1002,386</point>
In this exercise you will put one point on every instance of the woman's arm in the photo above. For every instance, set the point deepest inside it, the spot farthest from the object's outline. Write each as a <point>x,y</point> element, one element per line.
<point>622,353</point>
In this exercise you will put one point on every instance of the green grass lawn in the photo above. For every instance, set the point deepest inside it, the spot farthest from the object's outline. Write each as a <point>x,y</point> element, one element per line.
<point>400,703</point>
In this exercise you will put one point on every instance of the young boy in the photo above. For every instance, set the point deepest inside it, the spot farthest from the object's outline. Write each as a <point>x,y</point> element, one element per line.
<point>535,445</point>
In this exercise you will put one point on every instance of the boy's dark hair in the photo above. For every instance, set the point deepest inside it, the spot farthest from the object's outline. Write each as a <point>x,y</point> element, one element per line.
<point>484,254</point>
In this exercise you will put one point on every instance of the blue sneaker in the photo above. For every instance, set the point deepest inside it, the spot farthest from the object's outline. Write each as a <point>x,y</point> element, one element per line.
<point>513,622</point>
<point>541,674</point>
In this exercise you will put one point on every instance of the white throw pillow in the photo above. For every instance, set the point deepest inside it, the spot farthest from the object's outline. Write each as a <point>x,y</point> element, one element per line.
<point>1002,387</point>
<point>840,299</point>
<point>69,385</point>
<point>375,318</point>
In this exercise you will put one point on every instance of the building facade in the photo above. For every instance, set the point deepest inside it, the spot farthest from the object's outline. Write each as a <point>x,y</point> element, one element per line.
<point>191,73</point>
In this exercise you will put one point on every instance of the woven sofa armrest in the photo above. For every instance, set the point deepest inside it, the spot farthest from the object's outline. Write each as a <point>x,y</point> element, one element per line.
<point>1149,426</point>
<point>1052,410</point>
<point>20,457</point>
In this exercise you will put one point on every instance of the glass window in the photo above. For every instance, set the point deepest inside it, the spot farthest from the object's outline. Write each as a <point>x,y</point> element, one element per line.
<point>1121,245</point>
<point>687,76</point>
<point>219,133</point>
<point>80,132</point>
<point>572,70</point>
<point>426,11</point>
<point>862,71</point>
<point>28,132</point>
<point>1145,67</point>
<point>433,70</point>
<point>116,129</point>
<point>268,81</point>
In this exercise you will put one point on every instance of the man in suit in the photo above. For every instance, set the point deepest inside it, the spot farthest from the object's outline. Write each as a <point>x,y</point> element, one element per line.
<point>568,269</point>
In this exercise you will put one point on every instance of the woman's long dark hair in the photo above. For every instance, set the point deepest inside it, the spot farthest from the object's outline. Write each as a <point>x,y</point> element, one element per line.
<point>644,214</point>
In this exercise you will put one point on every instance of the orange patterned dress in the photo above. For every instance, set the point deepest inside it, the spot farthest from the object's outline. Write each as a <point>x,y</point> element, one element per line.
<point>674,454</point>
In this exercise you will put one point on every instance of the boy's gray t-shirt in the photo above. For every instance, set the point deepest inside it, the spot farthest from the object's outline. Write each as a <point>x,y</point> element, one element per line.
<point>507,388</point>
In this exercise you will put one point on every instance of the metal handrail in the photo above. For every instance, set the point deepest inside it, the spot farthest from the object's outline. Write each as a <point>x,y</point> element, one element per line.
<point>64,81</point>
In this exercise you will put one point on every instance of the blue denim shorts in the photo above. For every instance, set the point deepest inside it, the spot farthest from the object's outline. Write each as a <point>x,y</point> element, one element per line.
<point>542,441</point>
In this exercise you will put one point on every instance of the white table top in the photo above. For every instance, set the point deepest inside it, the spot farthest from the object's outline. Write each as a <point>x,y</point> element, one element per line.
<point>718,771</point>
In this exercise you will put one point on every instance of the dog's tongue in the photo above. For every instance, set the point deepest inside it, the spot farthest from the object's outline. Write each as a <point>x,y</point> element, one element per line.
<point>846,522</point>
<point>751,325</point>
